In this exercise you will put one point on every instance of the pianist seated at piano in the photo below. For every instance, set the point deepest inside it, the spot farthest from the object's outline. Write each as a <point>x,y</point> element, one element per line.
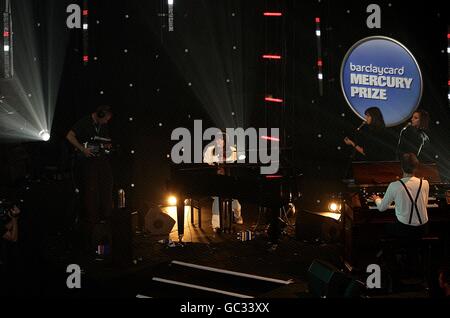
<point>410,195</point>
<point>215,154</point>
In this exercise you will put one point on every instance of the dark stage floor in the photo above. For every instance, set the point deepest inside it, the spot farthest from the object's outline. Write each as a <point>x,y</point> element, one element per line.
<point>256,267</point>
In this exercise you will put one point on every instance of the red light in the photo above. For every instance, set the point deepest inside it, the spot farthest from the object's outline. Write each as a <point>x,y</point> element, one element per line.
<point>274,100</point>
<point>270,138</point>
<point>85,58</point>
<point>449,83</point>
<point>85,12</point>
<point>272,57</point>
<point>319,63</point>
<point>317,20</point>
<point>274,177</point>
<point>273,14</point>
<point>6,34</point>
<point>448,35</point>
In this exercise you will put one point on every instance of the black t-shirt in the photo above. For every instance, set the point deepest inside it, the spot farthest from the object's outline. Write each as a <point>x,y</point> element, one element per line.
<point>378,144</point>
<point>412,140</point>
<point>86,129</point>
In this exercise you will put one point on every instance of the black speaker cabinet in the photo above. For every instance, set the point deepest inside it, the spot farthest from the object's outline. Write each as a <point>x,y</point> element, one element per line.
<point>158,223</point>
<point>314,226</point>
<point>325,280</point>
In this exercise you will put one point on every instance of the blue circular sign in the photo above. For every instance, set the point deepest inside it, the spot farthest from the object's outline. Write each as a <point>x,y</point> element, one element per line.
<point>381,72</point>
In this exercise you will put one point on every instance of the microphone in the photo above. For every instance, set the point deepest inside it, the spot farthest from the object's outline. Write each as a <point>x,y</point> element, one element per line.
<point>407,125</point>
<point>361,126</point>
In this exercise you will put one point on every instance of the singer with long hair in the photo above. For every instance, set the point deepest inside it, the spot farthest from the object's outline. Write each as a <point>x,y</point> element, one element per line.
<point>413,137</point>
<point>372,142</point>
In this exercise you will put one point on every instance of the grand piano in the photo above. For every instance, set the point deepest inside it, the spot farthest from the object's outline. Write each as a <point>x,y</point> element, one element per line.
<point>240,181</point>
<point>364,224</point>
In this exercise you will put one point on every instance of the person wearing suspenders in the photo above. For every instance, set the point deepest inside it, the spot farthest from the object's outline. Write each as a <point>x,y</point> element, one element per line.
<point>410,195</point>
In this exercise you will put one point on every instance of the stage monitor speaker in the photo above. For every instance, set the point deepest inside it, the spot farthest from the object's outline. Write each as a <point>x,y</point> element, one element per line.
<point>158,223</point>
<point>326,281</point>
<point>316,226</point>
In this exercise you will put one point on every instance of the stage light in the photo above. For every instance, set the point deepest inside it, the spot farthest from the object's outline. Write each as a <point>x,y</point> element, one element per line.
<point>172,200</point>
<point>320,76</point>
<point>85,26</point>
<point>44,135</point>
<point>274,100</point>
<point>318,32</point>
<point>6,48</point>
<point>273,14</point>
<point>270,138</point>
<point>334,207</point>
<point>272,57</point>
<point>170,2</point>
<point>242,157</point>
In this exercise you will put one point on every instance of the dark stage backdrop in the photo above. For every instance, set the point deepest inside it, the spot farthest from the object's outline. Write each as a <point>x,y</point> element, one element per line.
<point>210,68</point>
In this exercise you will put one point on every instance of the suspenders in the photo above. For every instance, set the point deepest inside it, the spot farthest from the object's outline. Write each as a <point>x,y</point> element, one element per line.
<point>413,202</point>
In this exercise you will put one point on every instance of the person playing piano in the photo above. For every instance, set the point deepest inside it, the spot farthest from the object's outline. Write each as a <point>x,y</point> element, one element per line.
<point>95,174</point>
<point>410,195</point>
<point>413,137</point>
<point>373,142</point>
<point>217,153</point>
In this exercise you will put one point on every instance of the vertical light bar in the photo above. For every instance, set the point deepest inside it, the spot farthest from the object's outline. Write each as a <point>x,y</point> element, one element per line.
<point>319,56</point>
<point>7,54</point>
<point>448,65</point>
<point>170,4</point>
<point>85,21</point>
<point>269,98</point>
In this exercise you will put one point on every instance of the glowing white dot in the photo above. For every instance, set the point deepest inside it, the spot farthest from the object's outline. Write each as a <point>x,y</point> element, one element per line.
<point>125,51</point>
<point>131,84</point>
<point>102,92</point>
<point>228,80</point>
<point>233,14</point>
<point>35,59</point>
<point>98,22</point>
<point>234,47</point>
<point>320,76</point>
<point>437,122</point>
<point>186,50</point>
<point>318,201</point>
<point>132,152</point>
<point>318,33</point>
<point>232,113</point>
<point>343,115</point>
<point>389,4</point>
<point>38,24</point>
<point>189,116</point>
<point>189,84</point>
<point>348,11</point>
<point>130,119</point>
<point>160,124</point>
<point>167,156</point>
<point>339,148</point>
<point>132,185</point>
<point>126,16</point>
<point>436,157</point>
<point>95,58</point>
<point>319,136</point>
<point>85,26</point>
<point>29,95</point>
<point>6,48</point>
<point>156,56</point>
<point>157,90</point>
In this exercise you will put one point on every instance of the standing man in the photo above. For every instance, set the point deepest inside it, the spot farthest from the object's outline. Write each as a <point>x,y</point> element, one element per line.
<point>90,137</point>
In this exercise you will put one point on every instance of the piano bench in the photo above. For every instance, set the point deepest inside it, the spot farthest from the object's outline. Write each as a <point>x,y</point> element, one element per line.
<point>194,204</point>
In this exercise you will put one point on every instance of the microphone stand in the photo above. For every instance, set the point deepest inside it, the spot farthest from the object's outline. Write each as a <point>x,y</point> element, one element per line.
<point>400,140</point>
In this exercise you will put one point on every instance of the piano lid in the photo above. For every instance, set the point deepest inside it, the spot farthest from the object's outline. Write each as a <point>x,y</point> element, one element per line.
<point>384,172</point>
